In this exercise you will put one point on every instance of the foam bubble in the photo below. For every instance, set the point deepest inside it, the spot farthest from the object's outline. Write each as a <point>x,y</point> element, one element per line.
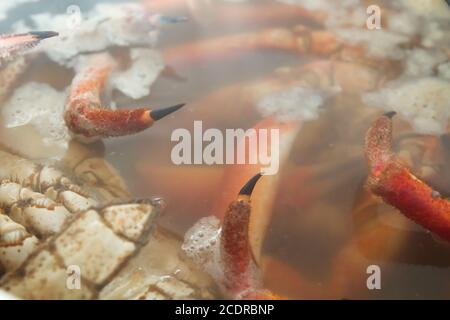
<point>424,102</point>
<point>41,106</point>
<point>104,26</point>
<point>379,44</point>
<point>297,103</point>
<point>136,81</point>
<point>428,8</point>
<point>202,245</point>
<point>421,62</point>
<point>428,19</point>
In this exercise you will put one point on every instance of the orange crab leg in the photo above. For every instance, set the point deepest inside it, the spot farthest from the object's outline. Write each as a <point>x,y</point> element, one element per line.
<point>264,195</point>
<point>84,114</point>
<point>13,44</point>
<point>273,14</point>
<point>228,13</point>
<point>398,187</point>
<point>11,47</point>
<point>241,276</point>
<point>299,40</point>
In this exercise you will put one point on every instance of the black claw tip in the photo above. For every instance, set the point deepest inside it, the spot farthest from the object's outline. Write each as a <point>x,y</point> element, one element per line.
<point>390,115</point>
<point>161,113</point>
<point>250,185</point>
<point>41,35</point>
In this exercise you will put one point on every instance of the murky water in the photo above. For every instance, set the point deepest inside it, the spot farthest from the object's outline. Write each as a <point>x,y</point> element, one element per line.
<point>323,233</point>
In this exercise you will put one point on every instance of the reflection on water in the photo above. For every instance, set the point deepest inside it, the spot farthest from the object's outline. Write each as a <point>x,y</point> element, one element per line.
<point>323,216</point>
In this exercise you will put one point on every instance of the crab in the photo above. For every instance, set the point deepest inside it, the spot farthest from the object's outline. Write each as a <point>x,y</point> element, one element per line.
<point>394,182</point>
<point>370,71</point>
<point>41,207</point>
<point>245,270</point>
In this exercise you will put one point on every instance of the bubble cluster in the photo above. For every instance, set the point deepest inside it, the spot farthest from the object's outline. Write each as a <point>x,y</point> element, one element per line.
<point>297,103</point>
<point>41,106</point>
<point>106,25</point>
<point>202,245</point>
<point>425,102</point>
<point>135,82</point>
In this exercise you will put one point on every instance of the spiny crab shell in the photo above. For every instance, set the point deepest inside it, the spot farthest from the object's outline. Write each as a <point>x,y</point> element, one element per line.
<point>98,241</point>
<point>77,214</point>
<point>63,224</point>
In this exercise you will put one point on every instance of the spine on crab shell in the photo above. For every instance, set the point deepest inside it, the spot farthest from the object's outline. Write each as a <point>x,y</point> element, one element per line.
<point>98,242</point>
<point>46,180</point>
<point>9,75</point>
<point>39,214</point>
<point>242,279</point>
<point>397,186</point>
<point>16,244</point>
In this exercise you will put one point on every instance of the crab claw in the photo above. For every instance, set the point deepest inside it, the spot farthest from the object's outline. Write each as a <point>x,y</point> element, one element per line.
<point>14,44</point>
<point>242,278</point>
<point>85,115</point>
<point>41,35</point>
<point>397,186</point>
<point>102,123</point>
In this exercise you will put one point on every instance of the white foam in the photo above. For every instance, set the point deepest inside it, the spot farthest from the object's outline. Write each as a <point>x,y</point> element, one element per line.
<point>104,26</point>
<point>421,62</point>
<point>136,81</point>
<point>297,103</point>
<point>428,19</point>
<point>436,34</point>
<point>404,23</point>
<point>41,106</point>
<point>424,102</point>
<point>379,43</point>
<point>429,8</point>
<point>202,245</point>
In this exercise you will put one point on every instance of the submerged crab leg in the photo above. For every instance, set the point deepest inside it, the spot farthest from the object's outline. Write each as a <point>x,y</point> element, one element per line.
<point>397,186</point>
<point>264,197</point>
<point>11,48</point>
<point>85,115</point>
<point>297,40</point>
<point>9,75</point>
<point>97,244</point>
<point>242,279</point>
<point>220,107</point>
<point>15,44</point>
